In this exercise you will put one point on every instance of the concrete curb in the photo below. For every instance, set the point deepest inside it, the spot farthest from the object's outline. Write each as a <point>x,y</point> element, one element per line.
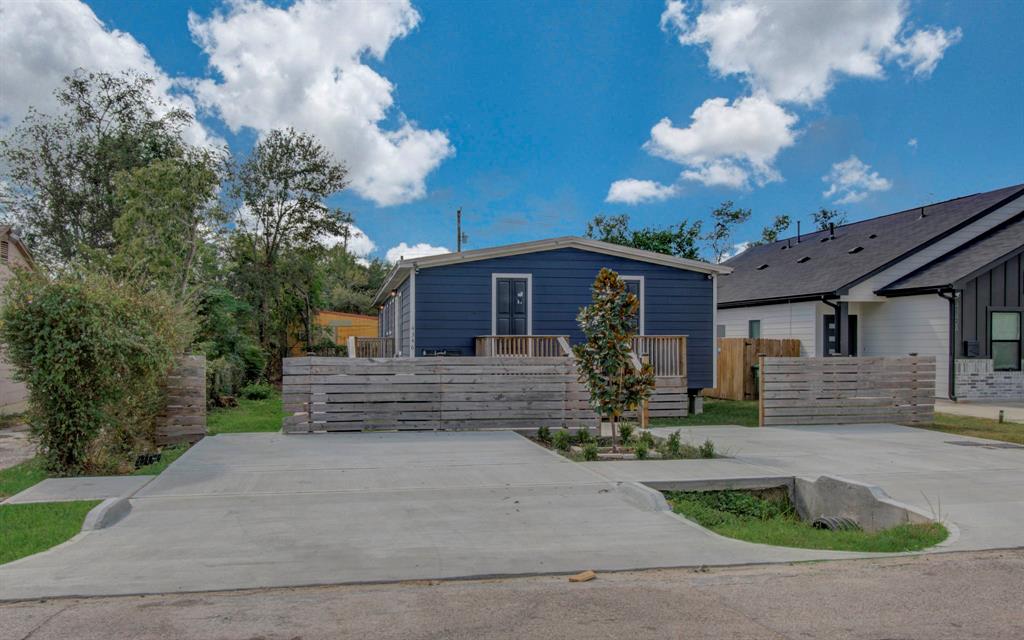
<point>642,496</point>
<point>107,513</point>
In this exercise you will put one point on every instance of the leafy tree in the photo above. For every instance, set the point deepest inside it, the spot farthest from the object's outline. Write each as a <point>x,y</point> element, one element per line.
<point>92,351</point>
<point>605,361</point>
<point>170,213</point>
<point>280,190</point>
<point>725,218</point>
<point>675,240</point>
<point>824,217</point>
<point>60,169</point>
<point>772,232</point>
<point>350,285</point>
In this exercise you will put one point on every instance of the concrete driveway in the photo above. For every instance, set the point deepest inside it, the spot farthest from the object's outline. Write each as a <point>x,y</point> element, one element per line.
<point>263,510</point>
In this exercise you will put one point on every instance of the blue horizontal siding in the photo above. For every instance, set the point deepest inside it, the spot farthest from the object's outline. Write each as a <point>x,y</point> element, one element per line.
<point>453,302</point>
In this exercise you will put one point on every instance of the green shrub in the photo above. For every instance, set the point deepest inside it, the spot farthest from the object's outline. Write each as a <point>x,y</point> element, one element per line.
<point>544,435</point>
<point>562,440</point>
<point>257,391</point>
<point>626,431</point>
<point>707,449</point>
<point>93,352</point>
<point>673,444</point>
<point>590,451</point>
<point>583,436</point>
<point>641,449</point>
<point>647,438</point>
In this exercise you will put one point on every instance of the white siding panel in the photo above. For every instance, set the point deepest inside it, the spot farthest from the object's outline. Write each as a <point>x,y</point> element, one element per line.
<point>796,320</point>
<point>866,290</point>
<point>914,324</point>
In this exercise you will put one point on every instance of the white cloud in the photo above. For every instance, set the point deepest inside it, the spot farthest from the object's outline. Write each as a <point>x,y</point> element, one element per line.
<point>736,250</point>
<point>41,42</point>
<point>853,180</point>
<point>359,244</point>
<point>912,143</point>
<point>304,67</point>
<point>418,250</point>
<point>794,51</point>
<point>727,144</point>
<point>632,191</point>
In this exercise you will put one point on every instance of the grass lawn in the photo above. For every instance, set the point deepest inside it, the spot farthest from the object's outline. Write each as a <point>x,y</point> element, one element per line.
<point>978,428</point>
<point>716,412</point>
<point>31,528</point>
<point>168,455</point>
<point>249,415</point>
<point>20,477</point>
<point>741,515</point>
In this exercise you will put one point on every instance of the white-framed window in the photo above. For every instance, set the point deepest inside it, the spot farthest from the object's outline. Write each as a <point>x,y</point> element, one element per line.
<point>635,285</point>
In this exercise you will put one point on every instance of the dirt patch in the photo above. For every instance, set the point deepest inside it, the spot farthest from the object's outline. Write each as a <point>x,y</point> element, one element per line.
<point>15,446</point>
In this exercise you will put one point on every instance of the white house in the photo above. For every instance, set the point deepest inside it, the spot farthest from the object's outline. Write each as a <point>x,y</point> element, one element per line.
<point>945,279</point>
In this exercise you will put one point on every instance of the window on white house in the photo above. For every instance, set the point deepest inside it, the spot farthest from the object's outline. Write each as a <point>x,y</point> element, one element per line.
<point>1006,341</point>
<point>720,330</point>
<point>754,329</point>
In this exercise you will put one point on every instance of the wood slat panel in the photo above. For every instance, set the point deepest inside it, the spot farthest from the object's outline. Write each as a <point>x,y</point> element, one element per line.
<point>846,390</point>
<point>184,416</point>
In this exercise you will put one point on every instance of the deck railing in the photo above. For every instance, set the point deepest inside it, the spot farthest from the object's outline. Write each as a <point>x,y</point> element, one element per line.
<point>667,353</point>
<point>522,346</point>
<point>363,347</point>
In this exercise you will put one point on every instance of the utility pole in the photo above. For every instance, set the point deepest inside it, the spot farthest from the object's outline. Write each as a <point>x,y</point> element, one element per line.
<point>459,236</point>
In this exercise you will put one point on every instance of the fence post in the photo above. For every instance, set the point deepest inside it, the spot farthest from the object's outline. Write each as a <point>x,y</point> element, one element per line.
<point>760,390</point>
<point>351,346</point>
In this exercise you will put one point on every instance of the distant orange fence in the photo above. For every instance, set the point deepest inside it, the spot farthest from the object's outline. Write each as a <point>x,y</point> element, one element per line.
<point>737,358</point>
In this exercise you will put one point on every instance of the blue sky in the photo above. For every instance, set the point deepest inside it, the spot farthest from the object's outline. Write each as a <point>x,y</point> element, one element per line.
<point>525,114</point>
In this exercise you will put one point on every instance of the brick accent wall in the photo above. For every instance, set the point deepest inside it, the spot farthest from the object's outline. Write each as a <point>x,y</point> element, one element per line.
<point>975,380</point>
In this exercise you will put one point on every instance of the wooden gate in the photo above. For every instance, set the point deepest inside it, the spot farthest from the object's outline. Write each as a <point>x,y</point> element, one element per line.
<point>736,360</point>
<point>352,394</point>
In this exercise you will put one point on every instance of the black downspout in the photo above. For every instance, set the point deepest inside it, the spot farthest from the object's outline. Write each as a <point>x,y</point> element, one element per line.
<point>952,340</point>
<point>839,329</point>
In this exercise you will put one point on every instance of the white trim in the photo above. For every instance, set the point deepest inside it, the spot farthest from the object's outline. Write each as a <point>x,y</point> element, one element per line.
<point>402,267</point>
<point>412,313</point>
<point>397,321</point>
<point>643,299</point>
<point>529,300</point>
<point>714,330</point>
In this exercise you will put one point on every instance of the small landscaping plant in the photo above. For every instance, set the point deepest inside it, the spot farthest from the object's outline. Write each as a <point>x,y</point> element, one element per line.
<point>544,435</point>
<point>641,449</point>
<point>626,432</point>
<point>562,440</point>
<point>590,451</point>
<point>257,391</point>
<point>583,437</point>
<point>706,449</point>
<point>673,445</point>
<point>770,518</point>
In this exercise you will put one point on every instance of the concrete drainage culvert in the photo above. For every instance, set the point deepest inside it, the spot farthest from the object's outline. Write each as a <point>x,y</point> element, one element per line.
<point>825,513</point>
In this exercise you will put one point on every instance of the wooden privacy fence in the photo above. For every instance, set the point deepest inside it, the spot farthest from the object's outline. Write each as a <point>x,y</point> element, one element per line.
<point>667,354</point>
<point>367,347</point>
<point>184,416</point>
<point>352,394</point>
<point>736,360</point>
<point>847,390</point>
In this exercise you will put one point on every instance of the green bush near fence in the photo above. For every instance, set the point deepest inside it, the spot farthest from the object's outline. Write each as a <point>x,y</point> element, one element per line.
<point>93,352</point>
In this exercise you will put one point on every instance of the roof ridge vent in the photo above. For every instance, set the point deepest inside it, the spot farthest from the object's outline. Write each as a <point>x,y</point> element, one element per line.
<point>803,259</point>
<point>856,250</point>
<point>762,267</point>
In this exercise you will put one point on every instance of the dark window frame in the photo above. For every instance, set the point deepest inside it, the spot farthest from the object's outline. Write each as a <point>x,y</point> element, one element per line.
<point>750,329</point>
<point>1020,335</point>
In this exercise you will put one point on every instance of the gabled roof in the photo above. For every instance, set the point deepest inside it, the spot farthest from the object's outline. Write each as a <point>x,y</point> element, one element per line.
<point>996,246</point>
<point>821,265</point>
<point>7,232</point>
<point>402,268</point>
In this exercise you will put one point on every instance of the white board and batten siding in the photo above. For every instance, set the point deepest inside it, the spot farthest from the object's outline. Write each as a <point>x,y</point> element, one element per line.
<point>798,320</point>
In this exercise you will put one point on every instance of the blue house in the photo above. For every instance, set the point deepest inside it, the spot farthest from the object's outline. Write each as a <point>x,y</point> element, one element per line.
<point>460,304</point>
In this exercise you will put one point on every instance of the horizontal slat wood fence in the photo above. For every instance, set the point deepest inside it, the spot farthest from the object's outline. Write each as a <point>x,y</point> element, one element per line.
<point>184,416</point>
<point>847,390</point>
<point>736,360</point>
<point>351,394</point>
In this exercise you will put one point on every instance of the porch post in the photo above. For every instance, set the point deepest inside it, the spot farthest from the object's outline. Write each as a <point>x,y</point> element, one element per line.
<point>843,328</point>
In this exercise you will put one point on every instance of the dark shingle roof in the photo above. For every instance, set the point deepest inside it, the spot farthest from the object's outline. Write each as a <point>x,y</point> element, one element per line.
<point>966,260</point>
<point>818,265</point>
